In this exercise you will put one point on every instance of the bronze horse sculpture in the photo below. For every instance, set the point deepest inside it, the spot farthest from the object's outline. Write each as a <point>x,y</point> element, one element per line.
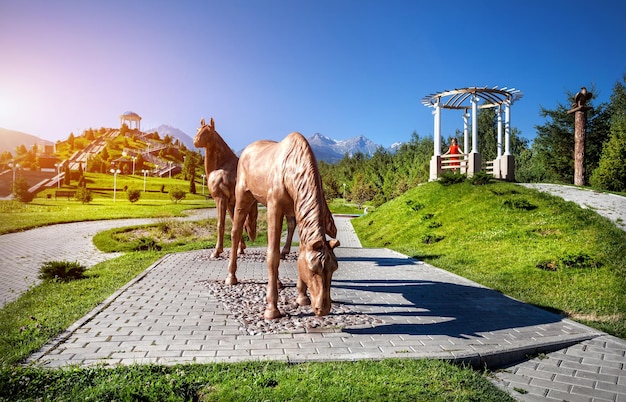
<point>220,164</point>
<point>284,177</point>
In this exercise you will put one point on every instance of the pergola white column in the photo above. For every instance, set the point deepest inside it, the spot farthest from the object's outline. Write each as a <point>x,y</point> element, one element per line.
<point>474,102</point>
<point>466,117</point>
<point>507,128</point>
<point>437,135</point>
<point>499,117</point>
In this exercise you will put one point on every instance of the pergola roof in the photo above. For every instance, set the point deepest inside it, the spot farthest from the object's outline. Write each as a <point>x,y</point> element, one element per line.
<point>461,98</point>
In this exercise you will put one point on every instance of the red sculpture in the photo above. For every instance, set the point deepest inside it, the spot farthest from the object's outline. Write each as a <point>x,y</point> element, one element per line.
<point>284,177</point>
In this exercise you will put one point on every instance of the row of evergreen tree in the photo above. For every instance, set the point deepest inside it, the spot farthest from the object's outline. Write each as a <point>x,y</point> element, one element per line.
<point>550,158</point>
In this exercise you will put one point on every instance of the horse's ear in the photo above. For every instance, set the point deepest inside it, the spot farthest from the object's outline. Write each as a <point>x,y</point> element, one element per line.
<point>202,122</point>
<point>212,124</point>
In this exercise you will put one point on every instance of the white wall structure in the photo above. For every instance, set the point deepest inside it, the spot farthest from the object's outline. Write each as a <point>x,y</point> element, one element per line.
<point>473,99</point>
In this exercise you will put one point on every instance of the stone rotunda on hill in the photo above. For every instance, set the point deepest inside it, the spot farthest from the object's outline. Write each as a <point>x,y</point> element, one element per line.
<point>129,118</point>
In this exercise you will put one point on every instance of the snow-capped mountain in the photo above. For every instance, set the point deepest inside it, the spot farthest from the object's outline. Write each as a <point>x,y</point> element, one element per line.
<point>325,148</point>
<point>166,129</point>
<point>330,150</point>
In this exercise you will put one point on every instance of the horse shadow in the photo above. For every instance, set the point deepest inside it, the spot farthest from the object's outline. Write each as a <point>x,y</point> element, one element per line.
<point>429,307</point>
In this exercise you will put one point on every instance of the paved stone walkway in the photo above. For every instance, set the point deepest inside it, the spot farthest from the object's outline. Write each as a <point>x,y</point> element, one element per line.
<point>23,253</point>
<point>167,315</point>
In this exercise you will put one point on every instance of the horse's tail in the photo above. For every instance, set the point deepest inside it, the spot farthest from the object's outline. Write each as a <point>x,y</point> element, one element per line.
<point>250,224</point>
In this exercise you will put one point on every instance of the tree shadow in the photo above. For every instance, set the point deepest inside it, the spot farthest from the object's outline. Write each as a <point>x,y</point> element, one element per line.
<point>438,308</point>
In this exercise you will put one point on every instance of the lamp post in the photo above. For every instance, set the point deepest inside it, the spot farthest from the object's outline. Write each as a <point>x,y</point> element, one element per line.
<point>170,169</point>
<point>203,176</point>
<point>115,173</point>
<point>58,165</point>
<point>14,166</point>
<point>145,172</point>
<point>134,159</point>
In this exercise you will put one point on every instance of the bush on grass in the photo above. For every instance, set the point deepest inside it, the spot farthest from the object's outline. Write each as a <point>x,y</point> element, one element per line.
<point>449,178</point>
<point>176,195</point>
<point>133,195</point>
<point>63,271</point>
<point>480,178</point>
<point>83,195</point>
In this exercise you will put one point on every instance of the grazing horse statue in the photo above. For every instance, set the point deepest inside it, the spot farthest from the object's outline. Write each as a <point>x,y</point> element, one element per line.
<point>284,177</point>
<point>220,164</point>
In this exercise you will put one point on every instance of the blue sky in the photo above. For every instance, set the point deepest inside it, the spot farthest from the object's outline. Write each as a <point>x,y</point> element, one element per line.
<point>265,68</point>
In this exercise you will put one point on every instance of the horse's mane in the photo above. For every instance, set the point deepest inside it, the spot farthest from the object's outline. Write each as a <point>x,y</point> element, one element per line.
<point>303,181</point>
<point>222,152</point>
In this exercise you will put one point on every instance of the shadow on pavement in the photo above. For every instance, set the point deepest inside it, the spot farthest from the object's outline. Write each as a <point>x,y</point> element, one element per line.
<point>440,308</point>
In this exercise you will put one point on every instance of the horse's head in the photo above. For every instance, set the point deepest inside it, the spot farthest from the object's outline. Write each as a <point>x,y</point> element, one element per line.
<point>316,265</point>
<point>201,140</point>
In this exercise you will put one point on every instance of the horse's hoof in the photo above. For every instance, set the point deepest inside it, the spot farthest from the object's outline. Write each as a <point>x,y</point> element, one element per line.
<point>271,314</point>
<point>241,251</point>
<point>303,301</point>
<point>231,280</point>
<point>216,254</point>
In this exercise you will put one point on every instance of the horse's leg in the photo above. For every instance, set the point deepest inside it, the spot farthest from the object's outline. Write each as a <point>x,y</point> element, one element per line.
<point>302,299</point>
<point>274,229</point>
<point>242,244</point>
<point>221,217</point>
<point>241,211</point>
<point>291,227</point>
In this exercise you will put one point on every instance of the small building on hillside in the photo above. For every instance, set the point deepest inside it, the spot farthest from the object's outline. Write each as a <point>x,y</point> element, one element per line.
<point>129,118</point>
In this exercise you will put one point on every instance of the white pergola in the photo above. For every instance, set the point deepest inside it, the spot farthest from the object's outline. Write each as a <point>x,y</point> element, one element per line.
<point>467,99</point>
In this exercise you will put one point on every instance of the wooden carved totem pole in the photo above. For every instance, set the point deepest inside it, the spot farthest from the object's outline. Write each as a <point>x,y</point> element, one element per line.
<point>580,108</point>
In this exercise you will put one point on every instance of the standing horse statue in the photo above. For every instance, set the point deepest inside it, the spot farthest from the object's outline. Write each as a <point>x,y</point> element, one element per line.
<point>284,177</point>
<point>220,164</point>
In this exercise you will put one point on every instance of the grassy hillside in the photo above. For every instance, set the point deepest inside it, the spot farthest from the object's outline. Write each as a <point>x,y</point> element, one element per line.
<point>532,246</point>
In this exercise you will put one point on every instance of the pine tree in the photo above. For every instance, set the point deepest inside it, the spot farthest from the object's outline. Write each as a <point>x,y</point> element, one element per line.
<point>611,171</point>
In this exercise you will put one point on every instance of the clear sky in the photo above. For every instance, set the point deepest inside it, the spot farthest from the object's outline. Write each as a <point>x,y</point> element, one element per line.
<point>265,68</point>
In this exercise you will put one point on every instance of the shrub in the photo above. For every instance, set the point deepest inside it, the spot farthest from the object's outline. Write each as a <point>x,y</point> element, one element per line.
<point>64,271</point>
<point>133,195</point>
<point>570,261</point>
<point>415,206</point>
<point>146,244</point>
<point>176,195</point>
<point>83,195</point>
<point>20,190</point>
<point>449,178</point>
<point>480,178</point>
<point>431,238</point>
<point>519,204</point>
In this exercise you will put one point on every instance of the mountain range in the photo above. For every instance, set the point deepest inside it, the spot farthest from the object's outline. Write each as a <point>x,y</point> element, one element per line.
<point>11,139</point>
<point>325,148</point>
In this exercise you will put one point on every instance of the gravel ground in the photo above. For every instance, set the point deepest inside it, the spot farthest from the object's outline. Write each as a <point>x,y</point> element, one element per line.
<point>246,301</point>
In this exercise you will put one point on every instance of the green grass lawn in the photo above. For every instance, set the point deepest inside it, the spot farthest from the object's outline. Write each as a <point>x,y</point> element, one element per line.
<point>529,245</point>
<point>46,210</point>
<point>389,380</point>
